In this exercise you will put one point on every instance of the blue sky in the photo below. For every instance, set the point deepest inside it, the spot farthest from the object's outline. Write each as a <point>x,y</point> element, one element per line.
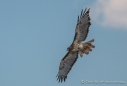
<point>34,35</point>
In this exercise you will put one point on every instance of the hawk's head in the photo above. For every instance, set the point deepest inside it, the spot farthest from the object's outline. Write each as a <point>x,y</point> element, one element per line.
<point>70,48</point>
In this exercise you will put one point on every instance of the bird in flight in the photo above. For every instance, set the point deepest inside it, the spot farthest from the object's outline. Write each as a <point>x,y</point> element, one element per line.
<point>77,47</point>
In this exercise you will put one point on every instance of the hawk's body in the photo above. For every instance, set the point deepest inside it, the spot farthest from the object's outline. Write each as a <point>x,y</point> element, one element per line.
<point>76,47</point>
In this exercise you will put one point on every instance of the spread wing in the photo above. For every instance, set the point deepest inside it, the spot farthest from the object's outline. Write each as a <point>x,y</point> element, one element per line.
<point>66,64</point>
<point>82,27</point>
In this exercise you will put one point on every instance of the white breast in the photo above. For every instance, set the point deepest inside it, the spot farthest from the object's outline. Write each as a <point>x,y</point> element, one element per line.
<point>81,46</point>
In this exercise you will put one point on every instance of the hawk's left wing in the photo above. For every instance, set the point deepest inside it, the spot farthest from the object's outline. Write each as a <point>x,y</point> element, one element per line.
<point>66,64</point>
<point>82,27</point>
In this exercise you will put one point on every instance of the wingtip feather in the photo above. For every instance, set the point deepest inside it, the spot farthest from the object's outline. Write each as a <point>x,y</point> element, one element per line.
<point>78,19</point>
<point>84,11</point>
<point>81,13</point>
<point>88,10</point>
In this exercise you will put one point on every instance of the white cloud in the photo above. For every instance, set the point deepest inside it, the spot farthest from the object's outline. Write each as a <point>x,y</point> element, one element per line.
<point>111,13</point>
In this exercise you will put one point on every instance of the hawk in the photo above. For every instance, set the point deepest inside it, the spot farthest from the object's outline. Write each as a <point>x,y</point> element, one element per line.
<point>77,47</point>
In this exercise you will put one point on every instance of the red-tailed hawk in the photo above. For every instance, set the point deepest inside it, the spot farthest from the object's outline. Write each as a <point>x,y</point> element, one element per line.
<point>81,32</point>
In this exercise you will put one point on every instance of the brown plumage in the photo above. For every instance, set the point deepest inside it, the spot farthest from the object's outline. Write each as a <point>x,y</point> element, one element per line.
<point>81,32</point>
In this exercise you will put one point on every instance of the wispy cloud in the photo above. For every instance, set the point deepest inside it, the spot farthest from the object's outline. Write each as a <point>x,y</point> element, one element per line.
<point>111,13</point>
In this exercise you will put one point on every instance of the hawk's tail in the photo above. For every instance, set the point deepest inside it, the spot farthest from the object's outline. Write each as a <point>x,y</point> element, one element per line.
<point>87,47</point>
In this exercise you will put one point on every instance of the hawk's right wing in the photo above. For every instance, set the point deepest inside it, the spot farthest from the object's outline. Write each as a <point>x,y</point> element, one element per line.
<point>66,64</point>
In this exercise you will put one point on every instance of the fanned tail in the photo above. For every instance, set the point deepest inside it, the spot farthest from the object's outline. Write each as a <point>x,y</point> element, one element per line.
<point>87,47</point>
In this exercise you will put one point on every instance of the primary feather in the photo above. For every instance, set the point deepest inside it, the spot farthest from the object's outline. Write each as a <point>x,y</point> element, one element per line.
<point>82,27</point>
<point>66,64</point>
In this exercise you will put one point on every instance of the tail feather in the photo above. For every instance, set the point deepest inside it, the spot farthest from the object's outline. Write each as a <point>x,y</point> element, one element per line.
<point>92,46</point>
<point>91,41</point>
<point>87,47</point>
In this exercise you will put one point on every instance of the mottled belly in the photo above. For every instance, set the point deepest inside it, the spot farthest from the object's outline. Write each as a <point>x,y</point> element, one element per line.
<point>75,47</point>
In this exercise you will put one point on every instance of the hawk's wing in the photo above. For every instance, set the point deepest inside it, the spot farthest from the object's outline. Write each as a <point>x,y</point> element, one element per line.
<point>66,64</point>
<point>82,26</point>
